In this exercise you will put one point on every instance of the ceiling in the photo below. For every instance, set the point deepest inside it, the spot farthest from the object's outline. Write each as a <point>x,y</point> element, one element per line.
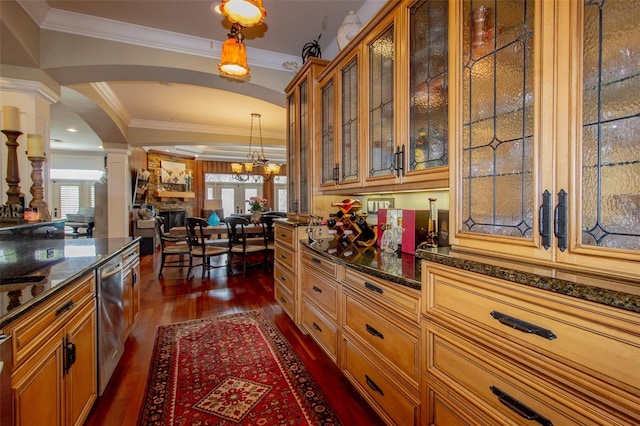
<point>158,108</point>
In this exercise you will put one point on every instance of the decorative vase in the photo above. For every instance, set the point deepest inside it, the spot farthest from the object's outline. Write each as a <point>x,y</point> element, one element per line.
<point>256,217</point>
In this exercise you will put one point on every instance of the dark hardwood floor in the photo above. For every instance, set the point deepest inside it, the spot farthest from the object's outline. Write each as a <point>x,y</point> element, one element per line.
<point>172,299</point>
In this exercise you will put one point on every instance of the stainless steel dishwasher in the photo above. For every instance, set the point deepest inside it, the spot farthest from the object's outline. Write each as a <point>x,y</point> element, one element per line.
<point>111,323</point>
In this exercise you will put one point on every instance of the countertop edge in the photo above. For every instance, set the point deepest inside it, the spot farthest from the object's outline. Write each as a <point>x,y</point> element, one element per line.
<point>407,282</point>
<point>604,296</point>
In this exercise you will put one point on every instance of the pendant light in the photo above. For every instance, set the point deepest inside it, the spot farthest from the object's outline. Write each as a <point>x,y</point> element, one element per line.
<point>233,60</point>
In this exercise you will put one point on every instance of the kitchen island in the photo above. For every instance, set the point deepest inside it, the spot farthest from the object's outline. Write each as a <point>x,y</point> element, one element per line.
<point>65,308</point>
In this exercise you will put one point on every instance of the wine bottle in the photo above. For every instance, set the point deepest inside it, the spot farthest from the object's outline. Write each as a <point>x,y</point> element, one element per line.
<point>365,229</point>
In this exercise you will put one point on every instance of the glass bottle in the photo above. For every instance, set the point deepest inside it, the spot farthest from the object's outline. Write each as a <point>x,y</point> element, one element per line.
<point>432,232</point>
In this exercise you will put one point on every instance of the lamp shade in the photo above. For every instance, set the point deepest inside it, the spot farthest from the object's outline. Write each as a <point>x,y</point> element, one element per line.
<point>233,60</point>
<point>248,167</point>
<point>245,12</point>
<point>236,167</point>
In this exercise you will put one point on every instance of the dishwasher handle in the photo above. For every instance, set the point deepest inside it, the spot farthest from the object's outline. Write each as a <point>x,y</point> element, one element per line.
<point>105,275</point>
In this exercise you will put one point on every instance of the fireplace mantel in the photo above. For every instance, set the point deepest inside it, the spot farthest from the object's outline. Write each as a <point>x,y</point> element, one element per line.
<point>174,194</point>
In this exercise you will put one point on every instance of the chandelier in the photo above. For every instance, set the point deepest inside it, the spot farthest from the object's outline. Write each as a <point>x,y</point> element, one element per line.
<point>256,160</point>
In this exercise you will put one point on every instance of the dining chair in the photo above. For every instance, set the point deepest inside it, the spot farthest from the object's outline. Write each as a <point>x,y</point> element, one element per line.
<point>246,240</point>
<point>171,246</point>
<point>198,247</point>
<point>268,219</point>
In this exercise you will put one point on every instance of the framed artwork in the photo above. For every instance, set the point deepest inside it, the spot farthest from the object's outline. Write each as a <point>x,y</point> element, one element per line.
<point>173,173</point>
<point>373,204</point>
<point>141,186</point>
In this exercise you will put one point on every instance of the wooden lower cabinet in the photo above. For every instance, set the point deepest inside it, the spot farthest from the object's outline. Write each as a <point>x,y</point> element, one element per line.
<point>285,270</point>
<point>499,353</point>
<point>54,372</point>
<point>395,404</point>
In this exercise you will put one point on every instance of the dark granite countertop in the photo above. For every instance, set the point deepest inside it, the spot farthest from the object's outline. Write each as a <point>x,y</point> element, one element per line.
<point>80,257</point>
<point>617,293</point>
<point>399,268</point>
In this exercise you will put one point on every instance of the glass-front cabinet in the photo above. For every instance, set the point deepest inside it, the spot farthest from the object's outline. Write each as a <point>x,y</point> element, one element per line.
<point>340,126</point>
<point>383,120</point>
<point>427,152</point>
<point>300,137</point>
<point>546,131</point>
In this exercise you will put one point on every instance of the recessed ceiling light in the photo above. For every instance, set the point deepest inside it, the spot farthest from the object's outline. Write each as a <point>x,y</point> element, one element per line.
<point>72,130</point>
<point>100,146</point>
<point>55,140</point>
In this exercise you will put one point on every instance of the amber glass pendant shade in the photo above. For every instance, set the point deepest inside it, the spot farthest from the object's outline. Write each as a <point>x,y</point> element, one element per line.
<point>245,12</point>
<point>234,58</point>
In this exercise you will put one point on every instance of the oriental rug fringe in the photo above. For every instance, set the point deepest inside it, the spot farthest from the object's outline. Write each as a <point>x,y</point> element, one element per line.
<point>230,370</point>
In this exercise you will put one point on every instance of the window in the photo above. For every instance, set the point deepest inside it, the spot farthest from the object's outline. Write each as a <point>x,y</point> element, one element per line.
<point>69,199</point>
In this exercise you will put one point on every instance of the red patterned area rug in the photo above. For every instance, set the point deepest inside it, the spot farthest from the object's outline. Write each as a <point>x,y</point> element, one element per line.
<point>230,370</point>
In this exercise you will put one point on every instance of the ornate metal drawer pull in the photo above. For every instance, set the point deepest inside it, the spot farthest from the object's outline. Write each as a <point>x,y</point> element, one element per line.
<point>317,327</point>
<point>316,260</point>
<point>523,325</point>
<point>373,331</point>
<point>373,385</point>
<point>372,287</point>
<point>317,289</point>
<point>519,408</point>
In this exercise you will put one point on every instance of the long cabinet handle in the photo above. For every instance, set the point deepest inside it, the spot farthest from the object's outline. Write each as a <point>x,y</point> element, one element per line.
<point>544,219</point>
<point>373,385</point>
<point>560,220</point>
<point>317,327</point>
<point>524,326</point>
<point>373,287</point>
<point>374,332</point>
<point>519,408</point>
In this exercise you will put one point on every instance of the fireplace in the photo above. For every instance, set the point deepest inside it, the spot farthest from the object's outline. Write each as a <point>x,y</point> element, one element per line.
<point>173,218</point>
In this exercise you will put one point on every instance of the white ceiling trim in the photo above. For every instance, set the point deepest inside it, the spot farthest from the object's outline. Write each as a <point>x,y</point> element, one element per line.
<point>107,29</point>
<point>29,86</point>
<point>200,128</point>
<point>104,90</point>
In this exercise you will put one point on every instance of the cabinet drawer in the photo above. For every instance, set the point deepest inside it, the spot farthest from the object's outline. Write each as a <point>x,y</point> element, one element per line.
<point>322,291</point>
<point>284,277</point>
<point>285,235</point>
<point>321,264</point>
<point>323,330</point>
<point>597,340</point>
<point>30,331</point>
<point>397,298</point>
<point>398,344</point>
<point>285,300</point>
<point>506,390</point>
<point>393,405</point>
<point>285,257</point>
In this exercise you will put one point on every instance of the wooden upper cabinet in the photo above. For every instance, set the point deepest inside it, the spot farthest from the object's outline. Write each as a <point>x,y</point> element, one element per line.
<point>339,153</point>
<point>383,105</point>
<point>544,127</point>
<point>301,120</point>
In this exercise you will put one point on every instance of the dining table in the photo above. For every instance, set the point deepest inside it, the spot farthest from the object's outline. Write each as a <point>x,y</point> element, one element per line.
<point>216,231</point>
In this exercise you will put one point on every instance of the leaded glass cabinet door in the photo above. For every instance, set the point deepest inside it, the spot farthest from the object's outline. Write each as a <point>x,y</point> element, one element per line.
<point>328,163</point>
<point>304,155</point>
<point>428,134</point>
<point>497,193</point>
<point>604,205</point>
<point>380,55</point>
<point>292,180</point>
<point>349,113</point>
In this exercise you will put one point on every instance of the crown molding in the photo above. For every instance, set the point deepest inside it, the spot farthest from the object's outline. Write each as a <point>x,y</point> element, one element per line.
<point>29,86</point>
